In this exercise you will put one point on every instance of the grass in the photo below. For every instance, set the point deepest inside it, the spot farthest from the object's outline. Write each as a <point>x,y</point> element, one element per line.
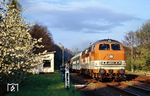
<point>139,72</point>
<point>44,85</point>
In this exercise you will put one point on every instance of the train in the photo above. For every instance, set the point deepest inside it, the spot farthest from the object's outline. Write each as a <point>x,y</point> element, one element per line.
<point>101,60</point>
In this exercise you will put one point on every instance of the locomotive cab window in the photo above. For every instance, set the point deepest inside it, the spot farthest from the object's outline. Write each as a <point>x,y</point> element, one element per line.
<point>47,63</point>
<point>104,47</point>
<point>115,46</point>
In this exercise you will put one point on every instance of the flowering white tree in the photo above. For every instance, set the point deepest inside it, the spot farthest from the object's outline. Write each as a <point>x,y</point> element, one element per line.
<point>16,44</point>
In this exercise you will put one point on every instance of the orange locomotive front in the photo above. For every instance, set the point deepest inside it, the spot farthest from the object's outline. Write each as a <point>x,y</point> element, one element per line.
<point>103,59</point>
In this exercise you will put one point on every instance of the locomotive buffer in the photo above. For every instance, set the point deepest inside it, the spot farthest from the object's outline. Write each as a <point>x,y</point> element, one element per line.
<point>67,77</point>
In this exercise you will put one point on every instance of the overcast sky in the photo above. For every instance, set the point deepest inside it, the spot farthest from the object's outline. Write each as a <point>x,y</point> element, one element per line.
<point>76,23</point>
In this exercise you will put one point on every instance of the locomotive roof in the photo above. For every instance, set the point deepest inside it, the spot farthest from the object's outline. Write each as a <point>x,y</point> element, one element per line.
<point>107,40</point>
<point>103,40</point>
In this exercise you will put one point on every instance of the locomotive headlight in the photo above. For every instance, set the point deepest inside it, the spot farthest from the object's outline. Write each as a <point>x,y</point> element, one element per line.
<point>111,56</point>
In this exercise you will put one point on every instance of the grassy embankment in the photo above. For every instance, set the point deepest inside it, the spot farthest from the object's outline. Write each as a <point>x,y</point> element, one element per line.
<point>44,85</point>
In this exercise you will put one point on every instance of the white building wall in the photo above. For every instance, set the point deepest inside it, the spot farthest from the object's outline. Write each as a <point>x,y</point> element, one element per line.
<point>40,68</point>
<point>51,68</point>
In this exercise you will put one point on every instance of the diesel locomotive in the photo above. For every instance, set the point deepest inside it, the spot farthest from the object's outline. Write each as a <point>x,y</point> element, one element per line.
<point>103,59</point>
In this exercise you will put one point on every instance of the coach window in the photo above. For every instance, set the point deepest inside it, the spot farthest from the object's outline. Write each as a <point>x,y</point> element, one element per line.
<point>104,47</point>
<point>47,63</point>
<point>115,46</point>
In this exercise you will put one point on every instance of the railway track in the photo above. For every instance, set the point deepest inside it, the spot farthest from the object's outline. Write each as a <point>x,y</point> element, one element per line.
<point>128,88</point>
<point>139,85</point>
<point>115,90</point>
<point>129,93</point>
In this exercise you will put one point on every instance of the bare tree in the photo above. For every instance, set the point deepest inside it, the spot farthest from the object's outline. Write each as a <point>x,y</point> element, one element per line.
<point>130,41</point>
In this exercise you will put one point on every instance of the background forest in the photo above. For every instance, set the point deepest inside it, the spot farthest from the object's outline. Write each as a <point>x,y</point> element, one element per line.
<point>138,48</point>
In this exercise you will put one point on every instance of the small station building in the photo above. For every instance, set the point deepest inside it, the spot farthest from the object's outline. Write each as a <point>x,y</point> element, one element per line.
<point>47,63</point>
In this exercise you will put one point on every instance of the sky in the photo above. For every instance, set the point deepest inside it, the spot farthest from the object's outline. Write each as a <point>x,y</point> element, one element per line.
<point>77,23</point>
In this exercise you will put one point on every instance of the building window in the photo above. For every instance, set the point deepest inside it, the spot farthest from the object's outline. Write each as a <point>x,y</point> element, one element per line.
<point>46,63</point>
